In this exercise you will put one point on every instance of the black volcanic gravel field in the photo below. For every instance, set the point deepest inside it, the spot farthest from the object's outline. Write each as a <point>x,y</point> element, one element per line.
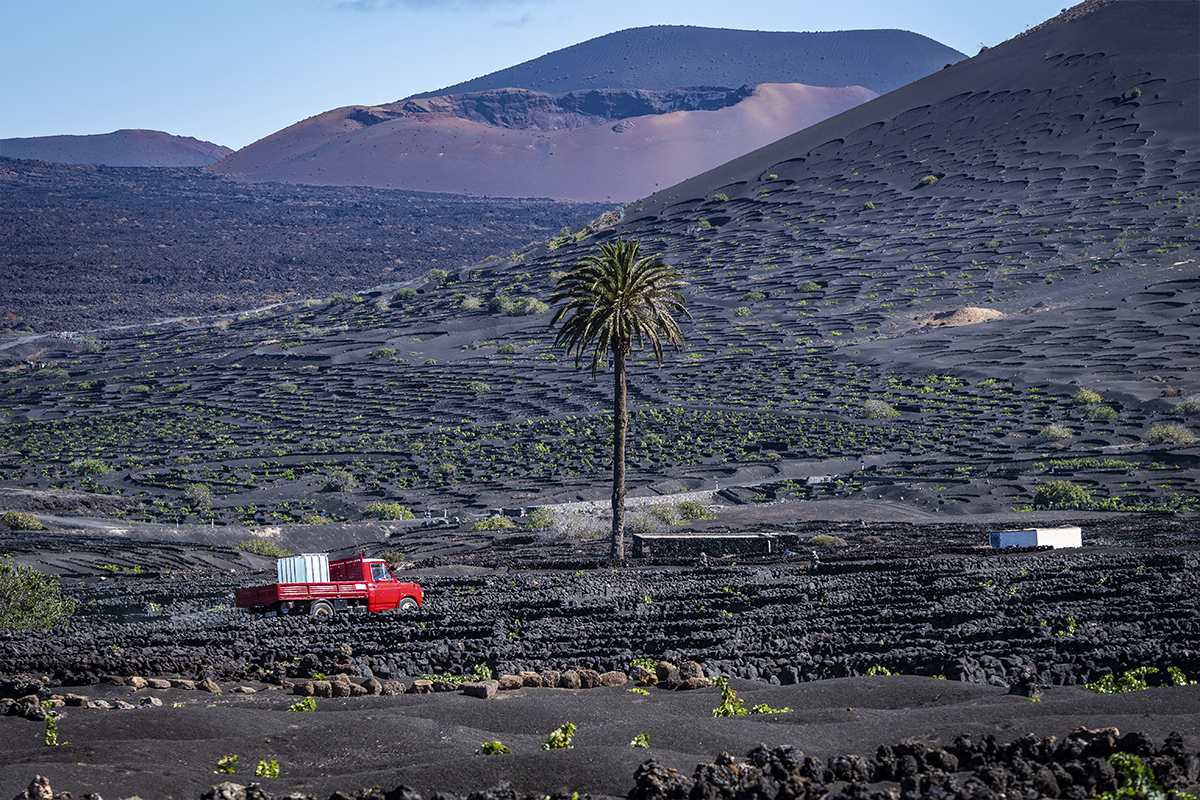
<point>968,625</point>
<point>89,246</point>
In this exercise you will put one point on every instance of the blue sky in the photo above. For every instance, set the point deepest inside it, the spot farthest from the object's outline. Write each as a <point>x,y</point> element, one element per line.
<point>233,71</point>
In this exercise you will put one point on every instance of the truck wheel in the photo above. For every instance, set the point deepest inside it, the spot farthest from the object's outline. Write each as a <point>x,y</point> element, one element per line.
<point>321,608</point>
<point>407,605</point>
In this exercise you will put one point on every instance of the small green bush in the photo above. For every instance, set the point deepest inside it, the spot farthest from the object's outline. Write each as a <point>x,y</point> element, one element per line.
<point>137,388</point>
<point>753,297</point>
<point>1132,681</point>
<point>438,276</point>
<point>878,409</point>
<point>90,466</point>
<point>1061,494</point>
<point>1099,411</point>
<point>198,495</point>
<point>528,307</point>
<point>665,514</point>
<point>288,388</point>
<point>313,519</point>
<point>338,480</point>
<point>1054,433</point>
<point>720,197</point>
<point>501,305</point>
<point>640,524</point>
<point>381,510</point>
<point>508,349</point>
<point>1169,434</point>
<point>30,600</point>
<point>307,704</point>
<point>393,557</point>
<point>1187,408</point>
<point>384,352</point>
<point>642,740</point>
<point>263,547</point>
<point>539,519</point>
<point>470,303</point>
<point>496,523</point>
<point>493,749</point>
<point>808,286</point>
<point>1085,397</point>
<point>928,180</point>
<point>267,769</point>
<point>403,296</point>
<point>478,387</point>
<point>705,224</point>
<point>20,521</point>
<point>690,509</point>
<point>560,738</point>
<point>992,245</point>
<point>741,311</point>
<point>825,540</point>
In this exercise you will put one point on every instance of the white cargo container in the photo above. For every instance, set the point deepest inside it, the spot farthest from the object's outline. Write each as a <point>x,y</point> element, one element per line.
<point>1038,537</point>
<point>304,568</point>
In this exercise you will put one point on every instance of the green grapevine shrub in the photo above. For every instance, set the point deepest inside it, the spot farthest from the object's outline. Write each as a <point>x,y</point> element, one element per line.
<point>90,466</point>
<point>263,547</point>
<point>497,523</point>
<point>1061,494</point>
<point>690,509</point>
<point>381,510</point>
<point>30,600</point>
<point>1169,434</point>
<point>20,521</point>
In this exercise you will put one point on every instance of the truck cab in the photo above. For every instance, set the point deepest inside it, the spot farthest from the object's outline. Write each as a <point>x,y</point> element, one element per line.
<point>383,590</point>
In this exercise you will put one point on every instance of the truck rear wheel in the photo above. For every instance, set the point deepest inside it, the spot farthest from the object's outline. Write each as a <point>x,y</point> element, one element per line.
<point>321,608</point>
<point>407,606</point>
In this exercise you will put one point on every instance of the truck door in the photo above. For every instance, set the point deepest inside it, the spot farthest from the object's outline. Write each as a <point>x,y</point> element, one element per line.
<point>384,589</point>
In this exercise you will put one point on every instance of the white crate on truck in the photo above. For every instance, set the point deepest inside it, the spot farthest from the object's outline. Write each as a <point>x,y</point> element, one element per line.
<point>304,568</point>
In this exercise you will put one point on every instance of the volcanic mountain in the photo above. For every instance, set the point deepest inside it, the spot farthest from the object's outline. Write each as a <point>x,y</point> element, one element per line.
<point>646,108</point>
<point>124,148</point>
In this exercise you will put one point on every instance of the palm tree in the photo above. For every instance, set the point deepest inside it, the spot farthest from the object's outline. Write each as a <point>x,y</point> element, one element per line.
<point>614,299</point>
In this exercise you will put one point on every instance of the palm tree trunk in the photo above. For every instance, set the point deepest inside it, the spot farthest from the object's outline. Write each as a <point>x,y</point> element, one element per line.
<point>620,425</point>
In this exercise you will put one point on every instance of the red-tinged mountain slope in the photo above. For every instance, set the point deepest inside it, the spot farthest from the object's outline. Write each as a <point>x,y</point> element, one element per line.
<point>124,148</point>
<point>610,119</point>
<point>436,150</point>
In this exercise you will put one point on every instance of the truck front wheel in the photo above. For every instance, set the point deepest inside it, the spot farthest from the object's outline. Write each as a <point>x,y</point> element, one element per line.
<point>321,608</point>
<point>407,605</point>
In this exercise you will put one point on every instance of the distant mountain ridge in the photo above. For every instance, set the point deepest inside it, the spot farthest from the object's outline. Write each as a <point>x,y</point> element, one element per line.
<point>524,109</point>
<point>123,148</point>
<point>675,56</point>
<point>546,128</point>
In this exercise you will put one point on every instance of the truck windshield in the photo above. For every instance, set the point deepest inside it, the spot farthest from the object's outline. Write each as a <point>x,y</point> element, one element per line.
<point>379,572</point>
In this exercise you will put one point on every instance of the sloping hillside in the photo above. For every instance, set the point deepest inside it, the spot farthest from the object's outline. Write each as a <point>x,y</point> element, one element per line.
<point>442,151</point>
<point>124,148</point>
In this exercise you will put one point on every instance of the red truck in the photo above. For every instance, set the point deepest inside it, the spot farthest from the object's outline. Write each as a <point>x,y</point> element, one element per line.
<point>313,585</point>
